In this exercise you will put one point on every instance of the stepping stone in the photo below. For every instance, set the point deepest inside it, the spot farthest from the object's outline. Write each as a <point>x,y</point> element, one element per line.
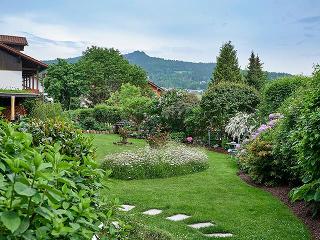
<point>201,225</point>
<point>218,235</point>
<point>126,208</point>
<point>178,217</point>
<point>152,212</point>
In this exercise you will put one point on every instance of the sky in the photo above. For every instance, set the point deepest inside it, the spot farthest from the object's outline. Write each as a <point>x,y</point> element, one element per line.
<point>284,33</point>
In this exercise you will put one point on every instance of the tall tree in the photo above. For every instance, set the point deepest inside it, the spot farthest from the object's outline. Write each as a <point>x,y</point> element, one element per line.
<point>255,76</point>
<point>63,82</point>
<point>227,68</point>
<point>106,70</point>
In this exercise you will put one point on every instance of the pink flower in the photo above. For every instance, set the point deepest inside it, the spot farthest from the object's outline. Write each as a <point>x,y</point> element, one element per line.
<point>189,139</point>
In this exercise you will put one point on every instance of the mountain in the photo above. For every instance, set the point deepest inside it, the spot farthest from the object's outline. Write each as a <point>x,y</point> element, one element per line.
<point>174,73</point>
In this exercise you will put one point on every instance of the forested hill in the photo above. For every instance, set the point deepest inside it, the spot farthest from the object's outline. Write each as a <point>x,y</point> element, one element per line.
<point>173,73</point>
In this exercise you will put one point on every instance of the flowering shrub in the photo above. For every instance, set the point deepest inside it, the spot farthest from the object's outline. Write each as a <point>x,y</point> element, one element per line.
<point>258,159</point>
<point>273,119</point>
<point>171,160</point>
<point>240,125</point>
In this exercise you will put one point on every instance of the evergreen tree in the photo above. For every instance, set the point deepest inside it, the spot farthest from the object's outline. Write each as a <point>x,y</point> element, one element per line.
<point>255,76</point>
<point>227,68</point>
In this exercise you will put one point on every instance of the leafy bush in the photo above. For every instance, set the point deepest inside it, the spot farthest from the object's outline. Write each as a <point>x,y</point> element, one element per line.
<point>170,160</point>
<point>72,142</point>
<point>174,105</point>
<point>157,140</point>
<point>103,113</point>
<point>195,123</point>
<point>45,194</point>
<point>306,133</point>
<point>41,110</point>
<point>277,91</point>
<point>178,136</point>
<point>257,159</point>
<point>101,117</point>
<point>222,100</point>
<point>89,123</point>
<point>131,102</point>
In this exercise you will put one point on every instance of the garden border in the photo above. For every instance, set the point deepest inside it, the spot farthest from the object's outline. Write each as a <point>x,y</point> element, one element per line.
<point>300,209</point>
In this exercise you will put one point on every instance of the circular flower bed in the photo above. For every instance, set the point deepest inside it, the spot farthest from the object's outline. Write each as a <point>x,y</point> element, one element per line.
<point>171,160</point>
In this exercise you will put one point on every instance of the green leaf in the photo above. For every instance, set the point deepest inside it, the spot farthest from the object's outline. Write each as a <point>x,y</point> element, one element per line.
<point>24,190</point>
<point>65,205</point>
<point>317,196</point>
<point>75,226</point>
<point>44,166</point>
<point>11,220</point>
<point>23,226</point>
<point>44,212</point>
<point>2,166</point>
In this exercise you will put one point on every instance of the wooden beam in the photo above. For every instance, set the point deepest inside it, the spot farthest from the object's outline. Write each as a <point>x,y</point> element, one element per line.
<point>13,108</point>
<point>32,82</point>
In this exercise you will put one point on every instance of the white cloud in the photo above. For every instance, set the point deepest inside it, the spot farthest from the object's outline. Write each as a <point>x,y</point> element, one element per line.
<point>49,41</point>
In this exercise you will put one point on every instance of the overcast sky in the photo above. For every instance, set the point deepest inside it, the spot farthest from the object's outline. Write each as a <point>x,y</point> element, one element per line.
<point>285,33</point>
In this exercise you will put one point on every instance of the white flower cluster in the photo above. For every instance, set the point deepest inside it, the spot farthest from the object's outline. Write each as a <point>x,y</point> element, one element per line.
<point>172,153</point>
<point>240,125</point>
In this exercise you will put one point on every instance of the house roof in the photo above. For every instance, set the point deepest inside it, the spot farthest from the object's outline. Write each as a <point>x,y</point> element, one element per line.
<point>155,85</point>
<point>23,56</point>
<point>14,40</point>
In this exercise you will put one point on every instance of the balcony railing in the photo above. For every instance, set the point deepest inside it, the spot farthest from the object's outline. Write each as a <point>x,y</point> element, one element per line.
<point>30,83</point>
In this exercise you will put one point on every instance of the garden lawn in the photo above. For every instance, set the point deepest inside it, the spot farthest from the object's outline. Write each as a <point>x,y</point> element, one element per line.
<point>104,143</point>
<point>216,195</point>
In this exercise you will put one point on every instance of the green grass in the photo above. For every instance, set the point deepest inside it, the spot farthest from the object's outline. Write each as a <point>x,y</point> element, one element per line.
<point>104,144</point>
<point>216,195</point>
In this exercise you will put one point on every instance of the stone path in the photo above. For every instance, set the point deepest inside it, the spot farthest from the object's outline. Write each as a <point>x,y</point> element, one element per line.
<point>152,212</point>
<point>201,225</point>
<point>219,235</point>
<point>180,217</point>
<point>126,208</point>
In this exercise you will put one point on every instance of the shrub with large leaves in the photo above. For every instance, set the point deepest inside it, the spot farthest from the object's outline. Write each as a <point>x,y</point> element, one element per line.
<point>306,135</point>
<point>45,194</point>
<point>73,143</point>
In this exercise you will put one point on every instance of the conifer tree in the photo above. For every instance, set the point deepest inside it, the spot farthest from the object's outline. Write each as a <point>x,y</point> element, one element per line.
<point>227,68</point>
<point>255,76</point>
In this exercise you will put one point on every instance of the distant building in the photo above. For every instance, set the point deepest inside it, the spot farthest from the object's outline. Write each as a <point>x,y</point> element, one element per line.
<point>155,88</point>
<point>19,75</point>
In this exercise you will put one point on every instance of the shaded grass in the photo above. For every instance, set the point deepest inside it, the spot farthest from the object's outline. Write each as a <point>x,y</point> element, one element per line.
<point>216,194</point>
<point>104,144</point>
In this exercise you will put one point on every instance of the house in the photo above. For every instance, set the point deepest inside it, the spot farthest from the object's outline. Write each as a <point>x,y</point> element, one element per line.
<point>19,75</point>
<point>155,88</point>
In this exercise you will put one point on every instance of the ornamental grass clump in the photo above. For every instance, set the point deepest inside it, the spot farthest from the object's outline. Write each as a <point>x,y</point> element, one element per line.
<point>170,160</point>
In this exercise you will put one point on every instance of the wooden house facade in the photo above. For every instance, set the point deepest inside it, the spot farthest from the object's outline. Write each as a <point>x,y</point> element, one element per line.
<point>19,75</point>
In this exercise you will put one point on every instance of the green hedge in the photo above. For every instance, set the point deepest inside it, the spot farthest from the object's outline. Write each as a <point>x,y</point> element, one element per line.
<point>101,117</point>
<point>277,91</point>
